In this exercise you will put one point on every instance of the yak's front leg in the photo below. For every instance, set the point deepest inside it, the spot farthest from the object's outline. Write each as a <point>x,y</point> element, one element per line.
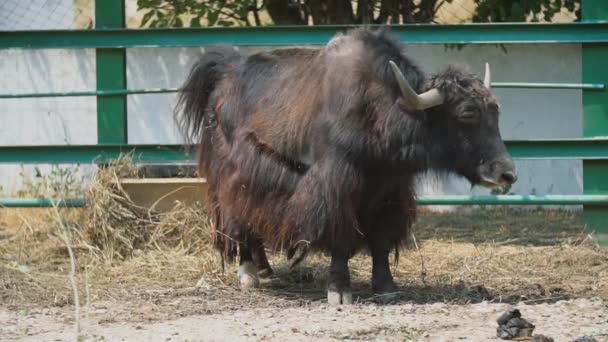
<point>339,290</point>
<point>322,215</point>
<point>391,227</point>
<point>382,279</point>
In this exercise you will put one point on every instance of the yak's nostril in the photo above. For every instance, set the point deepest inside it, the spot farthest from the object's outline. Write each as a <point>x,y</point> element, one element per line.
<point>509,177</point>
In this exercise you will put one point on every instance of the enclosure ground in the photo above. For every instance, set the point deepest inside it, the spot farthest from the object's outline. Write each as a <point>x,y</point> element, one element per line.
<point>563,321</point>
<point>469,267</point>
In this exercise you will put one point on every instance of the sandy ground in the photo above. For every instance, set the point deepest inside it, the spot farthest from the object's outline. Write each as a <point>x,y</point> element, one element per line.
<point>562,320</point>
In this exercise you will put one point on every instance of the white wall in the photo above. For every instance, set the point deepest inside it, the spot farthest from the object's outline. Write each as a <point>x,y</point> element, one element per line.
<point>150,116</point>
<point>43,121</point>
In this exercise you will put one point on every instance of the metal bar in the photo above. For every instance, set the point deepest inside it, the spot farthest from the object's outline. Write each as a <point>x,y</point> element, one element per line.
<point>109,14</point>
<point>111,76</point>
<point>422,200</point>
<point>584,86</point>
<point>91,93</point>
<point>41,202</point>
<point>588,149</point>
<point>595,122</point>
<point>581,148</point>
<point>495,33</point>
<point>98,154</point>
<point>514,200</point>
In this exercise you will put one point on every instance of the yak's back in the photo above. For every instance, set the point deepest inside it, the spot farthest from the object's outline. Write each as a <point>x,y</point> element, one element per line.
<point>280,95</point>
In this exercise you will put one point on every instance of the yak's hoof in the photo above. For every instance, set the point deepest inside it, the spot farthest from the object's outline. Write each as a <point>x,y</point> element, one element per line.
<point>248,276</point>
<point>265,273</point>
<point>339,297</point>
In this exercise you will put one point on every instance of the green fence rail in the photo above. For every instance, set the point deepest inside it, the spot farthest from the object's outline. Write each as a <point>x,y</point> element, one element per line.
<point>42,202</point>
<point>498,33</point>
<point>124,92</point>
<point>583,148</point>
<point>532,200</point>
<point>582,86</point>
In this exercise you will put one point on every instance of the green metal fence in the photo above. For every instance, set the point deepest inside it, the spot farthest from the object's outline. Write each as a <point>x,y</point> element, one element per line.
<point>110,40</point>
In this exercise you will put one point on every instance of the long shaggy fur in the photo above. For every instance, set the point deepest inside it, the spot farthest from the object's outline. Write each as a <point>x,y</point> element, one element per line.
<point>307,148</point>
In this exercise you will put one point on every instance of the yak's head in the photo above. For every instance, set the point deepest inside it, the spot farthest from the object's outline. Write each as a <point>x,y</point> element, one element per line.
<point>462,118</point>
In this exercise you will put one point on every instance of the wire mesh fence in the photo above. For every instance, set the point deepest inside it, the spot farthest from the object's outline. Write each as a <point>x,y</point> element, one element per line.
<point>46,14</point>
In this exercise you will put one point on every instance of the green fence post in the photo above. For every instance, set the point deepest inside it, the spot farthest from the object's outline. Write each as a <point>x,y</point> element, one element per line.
<point>595,123</point>
<point>111,74</point>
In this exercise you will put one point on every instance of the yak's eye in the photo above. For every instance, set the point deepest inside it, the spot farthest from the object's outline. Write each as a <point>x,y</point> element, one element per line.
<point>469,117</point>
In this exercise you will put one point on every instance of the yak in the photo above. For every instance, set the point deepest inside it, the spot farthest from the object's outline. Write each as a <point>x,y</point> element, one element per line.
<point>318,149</point>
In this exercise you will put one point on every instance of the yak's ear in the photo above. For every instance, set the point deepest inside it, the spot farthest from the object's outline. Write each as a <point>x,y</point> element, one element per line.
<point>428,99</point>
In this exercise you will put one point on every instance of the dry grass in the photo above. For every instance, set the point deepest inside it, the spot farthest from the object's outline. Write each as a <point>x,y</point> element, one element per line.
<point>147,265</point>
<point>117,228</point>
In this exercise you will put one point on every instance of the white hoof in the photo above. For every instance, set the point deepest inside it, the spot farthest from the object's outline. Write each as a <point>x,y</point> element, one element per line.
<point>248,276</point>
<point>337,298</point>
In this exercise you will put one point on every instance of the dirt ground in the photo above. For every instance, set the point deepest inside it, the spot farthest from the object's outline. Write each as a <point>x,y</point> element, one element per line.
<point>564,321</point>
<point>468,268</point>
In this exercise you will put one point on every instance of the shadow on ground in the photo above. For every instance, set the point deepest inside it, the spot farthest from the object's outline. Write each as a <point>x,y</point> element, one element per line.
<point>307,284</point>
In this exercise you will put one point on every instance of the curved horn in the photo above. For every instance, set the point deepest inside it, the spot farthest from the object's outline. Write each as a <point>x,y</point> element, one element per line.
<point>487,78</point>
<point>428,99</point>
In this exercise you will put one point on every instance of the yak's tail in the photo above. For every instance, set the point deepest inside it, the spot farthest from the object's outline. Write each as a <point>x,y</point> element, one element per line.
<point>191,111</point>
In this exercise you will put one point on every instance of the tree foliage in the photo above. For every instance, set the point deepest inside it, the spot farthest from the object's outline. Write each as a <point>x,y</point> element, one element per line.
<point>521,10</point>
<point>171,13</point>
<point>179,13</point>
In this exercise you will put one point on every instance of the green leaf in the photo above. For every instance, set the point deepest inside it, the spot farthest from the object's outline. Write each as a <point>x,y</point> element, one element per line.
<point>195,22</point>
<point>200,12</point>
<point>178,22</point>
<point>147,18</point>
<point>143,4</point>
<point>242,11</point>
<point>212,17</point>
<point>570,5</point>
<point>517,12</point>
<point>225,23</point>
<point>164,22</point>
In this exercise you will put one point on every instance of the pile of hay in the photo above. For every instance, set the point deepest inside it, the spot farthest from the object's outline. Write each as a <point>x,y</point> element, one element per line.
<point>117,228</point>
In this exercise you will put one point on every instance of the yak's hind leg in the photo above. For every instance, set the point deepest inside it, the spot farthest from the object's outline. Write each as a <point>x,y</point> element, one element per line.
<point>259,257</point>
<point>248,273</point>
<point>239,233</point>
<point>253,263</point>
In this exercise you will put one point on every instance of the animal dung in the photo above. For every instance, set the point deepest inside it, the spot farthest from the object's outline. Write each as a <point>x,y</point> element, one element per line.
<point>511,326</point>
